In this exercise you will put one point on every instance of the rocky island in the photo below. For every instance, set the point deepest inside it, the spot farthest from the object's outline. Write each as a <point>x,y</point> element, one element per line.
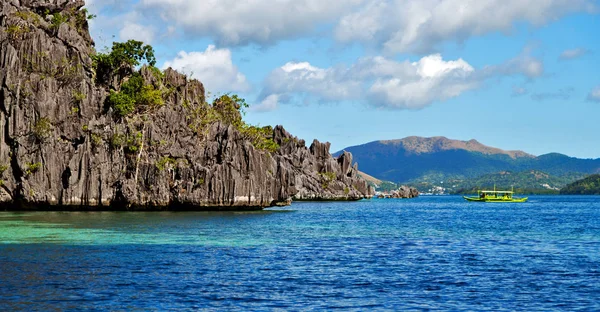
<point>402,192</point>
<point>82,130</point>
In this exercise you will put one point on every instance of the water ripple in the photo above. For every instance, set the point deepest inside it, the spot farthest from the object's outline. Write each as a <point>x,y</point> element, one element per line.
<point>432,253</point>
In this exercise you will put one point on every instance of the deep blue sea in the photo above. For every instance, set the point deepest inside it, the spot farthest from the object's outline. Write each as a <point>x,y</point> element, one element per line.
<point>432,252</point>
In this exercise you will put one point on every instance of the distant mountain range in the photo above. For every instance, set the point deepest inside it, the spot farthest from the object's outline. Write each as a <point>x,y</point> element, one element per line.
<point>417,160</point>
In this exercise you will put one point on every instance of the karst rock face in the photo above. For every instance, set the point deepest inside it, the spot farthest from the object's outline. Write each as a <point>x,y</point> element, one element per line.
<point>406,192</point>
<point>61,147</point>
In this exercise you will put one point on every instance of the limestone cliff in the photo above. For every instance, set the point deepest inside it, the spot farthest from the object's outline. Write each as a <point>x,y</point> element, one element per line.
<point>62,147</point>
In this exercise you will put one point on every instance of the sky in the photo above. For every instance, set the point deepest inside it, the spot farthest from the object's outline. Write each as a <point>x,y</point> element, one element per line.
<point>513,74</point>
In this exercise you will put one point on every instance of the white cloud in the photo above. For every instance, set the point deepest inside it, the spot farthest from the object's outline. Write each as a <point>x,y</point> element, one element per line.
<point>270,103</point>
<point>437,80</point>
<point>377,80</point>
<point>136,32</point>
<point>420,25</point>
<point>523,64</point>
<point>433,66</point>
<point>114,17</point>
<point>364,24</point>
<point>96,5</point>
<point>394,25</point>
<point>99,3</point>
<point>595,94</point>
<point>573,54</point>
<point>384,82</point>
<point>213,68</point>
<point>531,67</point>
<point>232,22</point>
<point>327,84</point>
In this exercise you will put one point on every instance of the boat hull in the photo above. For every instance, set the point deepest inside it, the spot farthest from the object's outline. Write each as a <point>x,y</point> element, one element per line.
<point>496,200</point>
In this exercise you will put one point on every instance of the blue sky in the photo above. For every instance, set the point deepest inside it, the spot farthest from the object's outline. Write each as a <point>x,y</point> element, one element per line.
<point>513,74</point>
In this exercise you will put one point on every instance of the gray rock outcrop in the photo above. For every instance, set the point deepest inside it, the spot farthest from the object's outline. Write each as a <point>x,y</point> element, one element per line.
<point>402,192</point>
<point>407,192</point>
<point>61,147</point>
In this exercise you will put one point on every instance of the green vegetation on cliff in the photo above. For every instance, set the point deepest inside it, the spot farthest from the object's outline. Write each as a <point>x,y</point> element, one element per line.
<point>136,96</point>
<point>122,59</point>
<point>586,186</point>
<point>135,93</point>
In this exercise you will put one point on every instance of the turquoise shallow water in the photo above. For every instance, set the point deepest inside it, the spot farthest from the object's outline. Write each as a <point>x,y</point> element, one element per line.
<point>425,253</point>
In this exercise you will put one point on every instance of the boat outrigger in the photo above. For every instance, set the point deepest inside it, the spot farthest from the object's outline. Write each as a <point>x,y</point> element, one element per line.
<point>496,197</point>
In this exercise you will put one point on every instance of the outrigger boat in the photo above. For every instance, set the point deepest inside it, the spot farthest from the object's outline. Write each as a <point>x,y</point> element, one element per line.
<point>496,197</point>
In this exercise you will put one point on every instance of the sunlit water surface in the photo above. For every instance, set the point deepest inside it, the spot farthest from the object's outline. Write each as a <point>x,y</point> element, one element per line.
<point>424,253</point>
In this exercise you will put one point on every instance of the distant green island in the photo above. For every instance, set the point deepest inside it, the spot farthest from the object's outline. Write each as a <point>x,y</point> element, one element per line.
<point>440,165</point>
<point>525,182</point>
<point>587,186</point>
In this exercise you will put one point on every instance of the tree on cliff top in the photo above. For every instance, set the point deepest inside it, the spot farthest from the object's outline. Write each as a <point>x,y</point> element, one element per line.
<point>122,59</point>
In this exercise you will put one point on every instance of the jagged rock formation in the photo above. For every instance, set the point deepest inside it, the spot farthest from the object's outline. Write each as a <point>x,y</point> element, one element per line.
<point>61,147</point>
<point>402,192</point>
<point>407,192</point>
